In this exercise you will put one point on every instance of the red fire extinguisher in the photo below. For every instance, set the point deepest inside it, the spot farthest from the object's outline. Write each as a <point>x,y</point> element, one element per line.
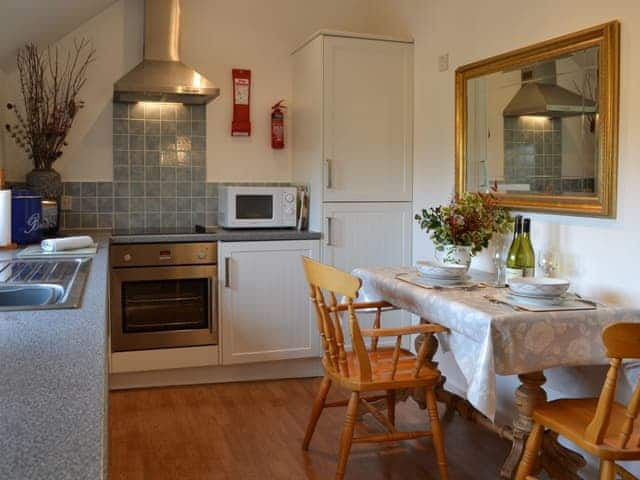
<point>277,125</point>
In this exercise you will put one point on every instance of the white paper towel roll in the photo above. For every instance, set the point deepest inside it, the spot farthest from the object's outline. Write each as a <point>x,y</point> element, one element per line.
<point>68,243</point>
<point>5,217</point>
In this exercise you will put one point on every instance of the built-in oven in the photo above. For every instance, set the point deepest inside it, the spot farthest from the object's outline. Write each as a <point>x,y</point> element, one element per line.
<point>163,296</point>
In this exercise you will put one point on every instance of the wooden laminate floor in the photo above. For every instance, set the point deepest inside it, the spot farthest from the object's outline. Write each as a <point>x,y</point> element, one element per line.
<point>254,430</point>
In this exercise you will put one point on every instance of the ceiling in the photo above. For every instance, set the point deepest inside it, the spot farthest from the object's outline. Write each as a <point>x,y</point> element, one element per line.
<point>41,22</point>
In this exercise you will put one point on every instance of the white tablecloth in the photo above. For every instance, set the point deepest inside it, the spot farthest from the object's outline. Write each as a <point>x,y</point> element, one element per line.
<point>488,339</point>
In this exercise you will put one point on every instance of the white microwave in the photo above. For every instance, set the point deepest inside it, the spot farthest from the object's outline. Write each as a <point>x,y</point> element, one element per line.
<point>244,206</point>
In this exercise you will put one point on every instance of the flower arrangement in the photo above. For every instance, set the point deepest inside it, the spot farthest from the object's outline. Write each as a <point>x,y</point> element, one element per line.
<point>470,220</point>
<point>49,90</point>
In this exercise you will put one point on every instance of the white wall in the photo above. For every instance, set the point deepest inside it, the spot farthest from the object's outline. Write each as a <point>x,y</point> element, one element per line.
<point>468,32</point>
<point>579,154</point>
<point>598,255</point>
<point>216,37</point>
<point>259,36</point>
<point>117,38</point>
<point>502,88</point>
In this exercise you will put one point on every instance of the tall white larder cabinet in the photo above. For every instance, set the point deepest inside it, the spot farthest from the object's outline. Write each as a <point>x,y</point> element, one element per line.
<point>352,137</point>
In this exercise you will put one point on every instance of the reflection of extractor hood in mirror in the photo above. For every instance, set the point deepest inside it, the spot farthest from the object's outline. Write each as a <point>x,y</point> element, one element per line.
<point>541,96</point>
<point>162,77</point>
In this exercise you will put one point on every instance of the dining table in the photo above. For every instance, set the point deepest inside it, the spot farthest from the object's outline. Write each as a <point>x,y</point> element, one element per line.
<point>488,337</point>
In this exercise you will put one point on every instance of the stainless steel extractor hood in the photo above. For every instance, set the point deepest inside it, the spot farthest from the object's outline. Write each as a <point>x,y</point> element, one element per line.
<point>540,95</point>
<point>162,77</point>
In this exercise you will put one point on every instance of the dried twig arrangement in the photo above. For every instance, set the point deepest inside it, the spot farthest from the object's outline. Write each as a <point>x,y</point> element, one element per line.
<point>49,91</point>
<point>589,90</point>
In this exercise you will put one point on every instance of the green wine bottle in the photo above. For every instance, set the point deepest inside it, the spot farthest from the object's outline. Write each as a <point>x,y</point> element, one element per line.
<point>526,258</point>
<point>513,270</point>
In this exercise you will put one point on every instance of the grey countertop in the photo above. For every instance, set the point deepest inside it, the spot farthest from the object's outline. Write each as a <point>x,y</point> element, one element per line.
<point>53,387</point>
<point>53,372</point>
<point>218,235</point>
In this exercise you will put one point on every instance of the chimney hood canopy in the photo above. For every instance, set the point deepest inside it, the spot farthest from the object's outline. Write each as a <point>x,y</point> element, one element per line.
<point>539,95</point>
<point>164,81</point>
<point>162,77</point>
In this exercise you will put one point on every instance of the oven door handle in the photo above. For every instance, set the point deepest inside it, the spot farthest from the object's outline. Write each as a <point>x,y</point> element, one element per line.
<point>227,281</point>
<point>162,300</point>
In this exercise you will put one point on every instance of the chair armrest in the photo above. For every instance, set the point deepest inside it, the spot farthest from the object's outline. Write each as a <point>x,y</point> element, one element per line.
<point>358,306</point>
<point>394,332</point>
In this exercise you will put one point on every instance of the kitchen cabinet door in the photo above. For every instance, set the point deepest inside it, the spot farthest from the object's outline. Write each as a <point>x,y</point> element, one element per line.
<point>368,120</point>
<point>369,235</point>
<point>265,312</point>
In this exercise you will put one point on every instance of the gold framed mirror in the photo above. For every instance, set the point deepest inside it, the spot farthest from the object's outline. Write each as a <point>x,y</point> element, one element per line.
<point>538,126</point>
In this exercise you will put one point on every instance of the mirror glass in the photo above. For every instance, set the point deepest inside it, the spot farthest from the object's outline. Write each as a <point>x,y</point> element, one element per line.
<point>534,129</point>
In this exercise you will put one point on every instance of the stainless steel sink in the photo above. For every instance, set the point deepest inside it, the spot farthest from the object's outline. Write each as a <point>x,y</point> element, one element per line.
<point>39,284</point>
<point>29,295</point>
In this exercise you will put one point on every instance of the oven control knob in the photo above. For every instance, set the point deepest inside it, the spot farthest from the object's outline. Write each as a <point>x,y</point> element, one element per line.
<point>288,210</point>
<point>127,257</point>
<point>288,197</point>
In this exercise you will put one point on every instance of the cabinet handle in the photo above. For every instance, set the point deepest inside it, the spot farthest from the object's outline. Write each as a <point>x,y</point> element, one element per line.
<point>329,224</point>
<point>213,311</point>
<point>329,174</point>
<point>227,261</point>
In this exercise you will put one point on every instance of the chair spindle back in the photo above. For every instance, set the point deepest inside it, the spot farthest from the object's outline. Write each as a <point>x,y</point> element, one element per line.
<point>622,340</point>
<point>323,278</point>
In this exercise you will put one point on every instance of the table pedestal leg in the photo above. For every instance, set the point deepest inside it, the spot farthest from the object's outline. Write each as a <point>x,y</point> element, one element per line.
<point>559,462</point>
<point>529,394</point>
<point>418,393</point>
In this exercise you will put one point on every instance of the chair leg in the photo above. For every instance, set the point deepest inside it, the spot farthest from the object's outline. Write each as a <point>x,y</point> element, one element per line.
<point>391,406</point>
<point>318,406</point>
<point>607,470</point>
<point>347,434</point>
<point>530,454</point>
<point>432,408</point>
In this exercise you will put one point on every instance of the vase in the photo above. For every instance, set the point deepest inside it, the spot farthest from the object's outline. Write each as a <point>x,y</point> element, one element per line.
<point>46,182</point>
<point>454,254</point>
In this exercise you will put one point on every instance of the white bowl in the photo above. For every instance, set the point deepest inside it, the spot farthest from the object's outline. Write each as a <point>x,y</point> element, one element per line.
<point>537,301</point>
<point>538,287</point>
<point>441,270</point>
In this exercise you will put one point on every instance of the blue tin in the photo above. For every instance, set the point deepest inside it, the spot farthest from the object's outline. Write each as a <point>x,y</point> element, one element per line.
<point>26,216</point>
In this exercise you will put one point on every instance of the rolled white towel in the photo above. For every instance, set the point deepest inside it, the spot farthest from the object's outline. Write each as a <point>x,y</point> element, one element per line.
<point>67,243</point>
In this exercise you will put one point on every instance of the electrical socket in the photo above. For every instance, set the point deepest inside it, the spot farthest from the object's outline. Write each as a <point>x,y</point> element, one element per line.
<point>443,62</point>
<point>65,202</point>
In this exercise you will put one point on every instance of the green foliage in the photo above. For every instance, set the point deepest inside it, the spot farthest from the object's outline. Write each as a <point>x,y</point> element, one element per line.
<point>469,220</point>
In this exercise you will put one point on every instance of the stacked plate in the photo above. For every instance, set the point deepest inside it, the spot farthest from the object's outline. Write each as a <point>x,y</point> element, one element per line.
<point>444,273</point>
<point>538,291</point>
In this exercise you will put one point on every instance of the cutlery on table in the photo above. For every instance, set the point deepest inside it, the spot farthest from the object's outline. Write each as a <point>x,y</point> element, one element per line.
<point>588,301</point>
<point>502,302</point>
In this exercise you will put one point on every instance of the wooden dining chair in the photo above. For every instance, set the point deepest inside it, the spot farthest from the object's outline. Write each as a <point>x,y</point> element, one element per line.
<point>378,369</point>
<point>600,426</point>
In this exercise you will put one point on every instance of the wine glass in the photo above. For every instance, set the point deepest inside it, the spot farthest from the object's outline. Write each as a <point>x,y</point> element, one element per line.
<point>548,261</point>
<point>500,261</point>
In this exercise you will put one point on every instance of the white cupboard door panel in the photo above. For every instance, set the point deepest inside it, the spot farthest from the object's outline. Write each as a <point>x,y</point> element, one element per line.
<point>266,313</point>
<point>369,235</point>
<point>368,89</point>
